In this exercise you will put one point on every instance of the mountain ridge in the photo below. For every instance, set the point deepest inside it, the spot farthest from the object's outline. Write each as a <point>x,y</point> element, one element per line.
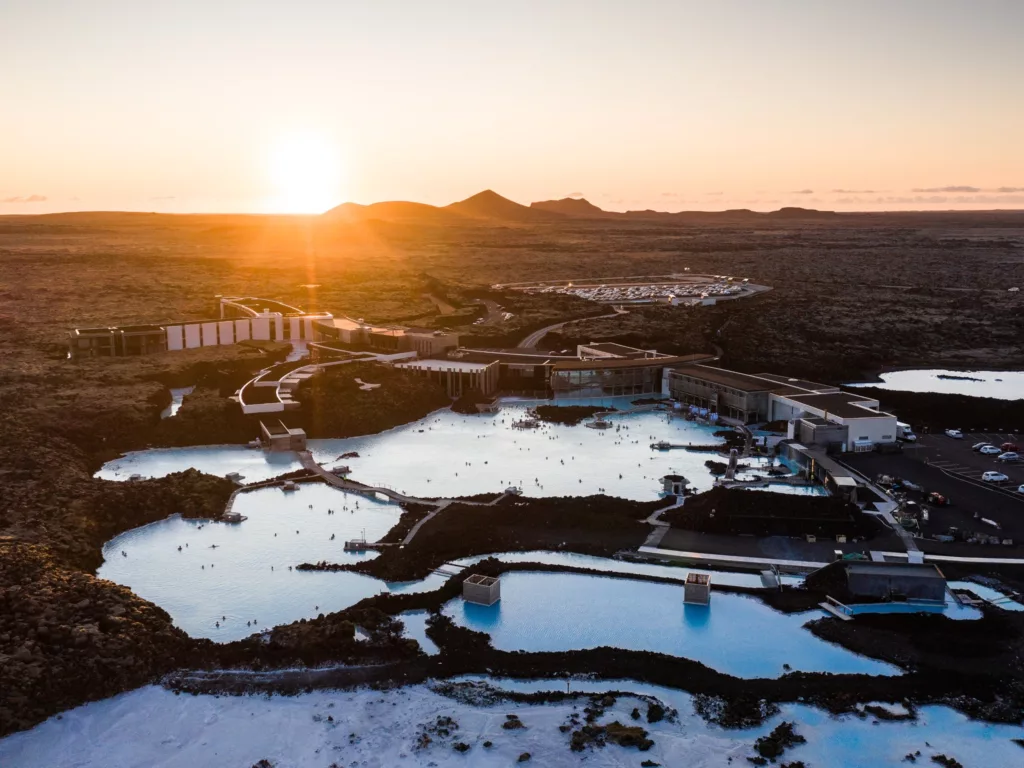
<point>489,206</point>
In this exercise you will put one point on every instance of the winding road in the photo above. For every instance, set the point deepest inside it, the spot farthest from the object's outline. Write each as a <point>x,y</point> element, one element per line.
<point>534,338</point>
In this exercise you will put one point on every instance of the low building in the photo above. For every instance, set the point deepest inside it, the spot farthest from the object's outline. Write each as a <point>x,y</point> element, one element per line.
<point>895,581</point>
<point>457,376</point>
<point>697,589</point>
<point>482,590</point>
<point>818,414</point>
<point>674,485</point>
<point>426,342</point>
<point>240,319</point>
<point>277,436</point>
<point>117,341</point>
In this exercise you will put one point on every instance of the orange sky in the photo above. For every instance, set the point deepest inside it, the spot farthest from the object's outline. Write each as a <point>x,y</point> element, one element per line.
<point>666,104</point>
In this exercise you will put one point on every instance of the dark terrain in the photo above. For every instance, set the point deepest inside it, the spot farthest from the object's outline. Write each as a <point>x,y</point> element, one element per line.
<point>852,294</point>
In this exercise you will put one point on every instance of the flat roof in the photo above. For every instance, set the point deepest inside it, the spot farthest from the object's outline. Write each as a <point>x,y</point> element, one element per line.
<point>258,304</point>
<point>921,570</point>
<point>810,386</point>
<point>507,357</point>
<point>646,362</point>
<point>841,404</point>
<point>432,364</point>
<point>727,378</point>
<point>619,350</point>
<point>140,328</point>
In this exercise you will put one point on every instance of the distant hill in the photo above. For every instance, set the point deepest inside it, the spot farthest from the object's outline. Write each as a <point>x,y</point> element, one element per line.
<point>398,211</point>
<point>801,213</point>
<point>573,206</point>
<point>490,205</point>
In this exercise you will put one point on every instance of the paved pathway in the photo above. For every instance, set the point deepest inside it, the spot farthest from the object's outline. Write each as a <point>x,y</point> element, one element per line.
<point>534,338</point>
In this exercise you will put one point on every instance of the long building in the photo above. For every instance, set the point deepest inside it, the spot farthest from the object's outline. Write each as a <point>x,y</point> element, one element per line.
<point>817,413</point>
<point>240,319</point>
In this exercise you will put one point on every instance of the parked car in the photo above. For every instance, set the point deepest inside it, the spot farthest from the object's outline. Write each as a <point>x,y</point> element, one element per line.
<point>989,450</point>
<point>979,446</point>
<point>994,477</point>
<point>936,499</point>
<point>1009,447</point>
<point>1020,489</point>
<point>1008,456</point>
<point>955,434</point>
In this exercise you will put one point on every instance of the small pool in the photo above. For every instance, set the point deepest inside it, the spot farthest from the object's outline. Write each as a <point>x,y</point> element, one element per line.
<point>416,629</point>
<point>737,635</point>
<point>177,397</point>
<point>794,490</point>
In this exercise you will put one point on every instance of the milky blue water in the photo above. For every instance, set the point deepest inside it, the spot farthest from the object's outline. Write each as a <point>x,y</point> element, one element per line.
<point>1002,385</point>
<point>450,454</point>
<point>848,741</point>
<point>736,635</point>
<point>238,573</point>
<point>796,490</point>
<point>416,629</point>
<point>177,397</point>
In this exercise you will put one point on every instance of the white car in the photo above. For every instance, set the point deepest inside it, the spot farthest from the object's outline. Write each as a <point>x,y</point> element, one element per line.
<point>994,477</point>
<point>990,450</point>
<point>1020,489</point>
<point>955,433</point>
<point>1008,456</point>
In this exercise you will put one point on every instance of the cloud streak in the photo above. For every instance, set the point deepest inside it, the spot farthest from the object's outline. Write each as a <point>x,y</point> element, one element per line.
<point>25,199</point>
<point>855,191</point>
<point>952,188</point>
<point>803,192</point>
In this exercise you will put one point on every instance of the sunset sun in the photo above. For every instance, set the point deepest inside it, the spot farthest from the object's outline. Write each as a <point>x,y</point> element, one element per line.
<point>305,172</point>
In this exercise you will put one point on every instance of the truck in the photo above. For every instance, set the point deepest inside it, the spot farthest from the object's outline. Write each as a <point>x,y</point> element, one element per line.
<point>904,432</point>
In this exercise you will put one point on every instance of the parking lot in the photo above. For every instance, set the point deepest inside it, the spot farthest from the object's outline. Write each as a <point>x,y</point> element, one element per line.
<point>957,477</point>
<point>956,457</point>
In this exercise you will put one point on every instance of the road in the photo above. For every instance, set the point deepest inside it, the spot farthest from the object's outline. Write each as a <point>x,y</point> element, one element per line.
<point>534,338</point>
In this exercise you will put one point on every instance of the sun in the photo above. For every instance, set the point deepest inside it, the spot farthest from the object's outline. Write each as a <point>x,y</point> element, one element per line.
<point>305,171</point>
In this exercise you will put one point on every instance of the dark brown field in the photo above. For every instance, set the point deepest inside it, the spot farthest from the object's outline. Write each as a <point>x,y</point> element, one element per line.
<point>852,295</point>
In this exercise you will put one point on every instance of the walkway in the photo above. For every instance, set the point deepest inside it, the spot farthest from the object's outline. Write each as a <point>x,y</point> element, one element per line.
<point>309,463</point>
<point>735,561</point>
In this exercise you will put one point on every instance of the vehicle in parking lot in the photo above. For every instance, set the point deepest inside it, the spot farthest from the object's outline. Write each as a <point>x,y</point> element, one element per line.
<point>904,432</point>
<point>1020,489</point>
<point>1008,456</point>
<point>1009,447</point>
<point>936,499</point>
<point>989,450</point>
<point>955,433</point>
<point>979,446</point>
<point>994,477</point>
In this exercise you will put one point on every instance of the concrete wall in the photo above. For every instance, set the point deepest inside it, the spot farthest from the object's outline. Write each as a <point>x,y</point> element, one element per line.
<point>193,336</point>
<point>209,334</point>
<point>295,327</point>
<point>261,328</point>
<point>226,332</point>
<point>878,430</point>
<point>175,338</point>
<point>279,328</point>
<point>243,330</point>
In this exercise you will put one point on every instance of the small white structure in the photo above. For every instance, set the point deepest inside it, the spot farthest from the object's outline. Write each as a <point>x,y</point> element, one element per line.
<point>697,589</point>
<point>482,590</point>
<point>674,485</point>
